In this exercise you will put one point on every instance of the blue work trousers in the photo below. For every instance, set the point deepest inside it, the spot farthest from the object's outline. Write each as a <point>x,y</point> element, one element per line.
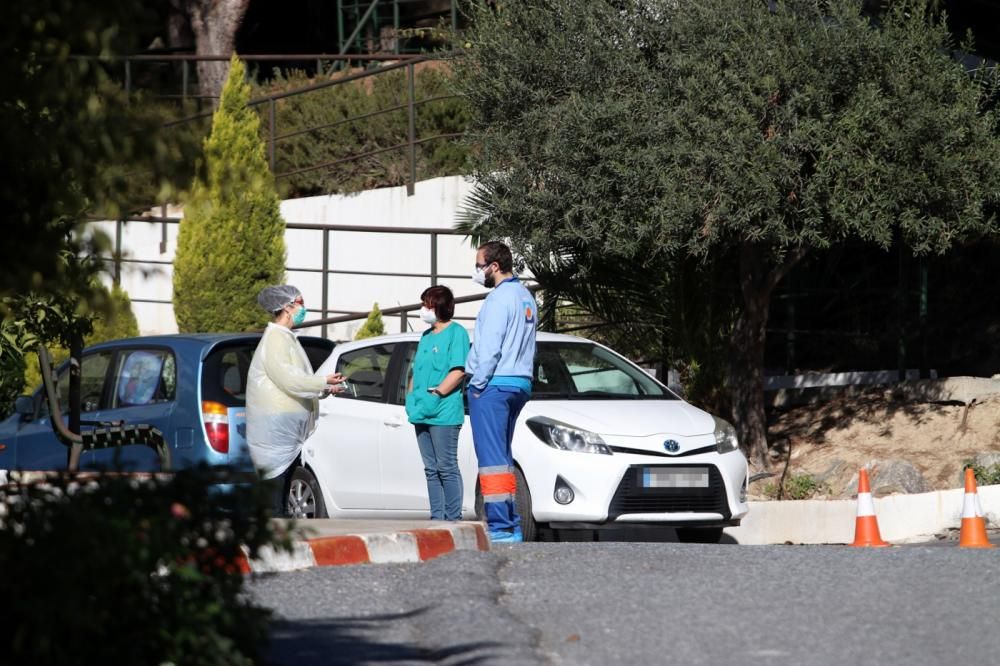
<point>493,412</point>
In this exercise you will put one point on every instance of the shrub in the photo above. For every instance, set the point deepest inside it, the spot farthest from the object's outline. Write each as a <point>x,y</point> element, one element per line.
<point>118,321</point>
<point>373,326</point>
<point>12,367</point>
<point>231,241</point>
<point>798,487</point>
<point>121,571</point>
<point>986,475</point>
<point>329,105</point>
<point>114,320</point>
<point>801,486</point>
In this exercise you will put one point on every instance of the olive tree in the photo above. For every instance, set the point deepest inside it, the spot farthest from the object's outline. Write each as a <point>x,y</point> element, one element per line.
<point>628,137</point>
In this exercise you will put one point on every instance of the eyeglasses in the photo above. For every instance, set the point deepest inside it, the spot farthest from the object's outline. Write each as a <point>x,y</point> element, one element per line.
<point>481,266</point>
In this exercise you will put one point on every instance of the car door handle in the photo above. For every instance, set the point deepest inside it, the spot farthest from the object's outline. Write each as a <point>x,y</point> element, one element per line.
<point>393,423</point>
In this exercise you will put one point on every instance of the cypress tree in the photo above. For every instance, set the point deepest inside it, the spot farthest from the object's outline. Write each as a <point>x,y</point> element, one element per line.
<point>373,326</point>
<point>231,242</point>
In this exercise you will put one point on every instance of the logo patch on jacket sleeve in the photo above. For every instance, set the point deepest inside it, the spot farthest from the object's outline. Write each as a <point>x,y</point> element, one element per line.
<point>529,311</point>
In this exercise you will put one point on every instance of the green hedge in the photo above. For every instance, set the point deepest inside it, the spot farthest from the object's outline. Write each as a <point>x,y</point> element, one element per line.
<point>115,570</point>
<point>328,105</point>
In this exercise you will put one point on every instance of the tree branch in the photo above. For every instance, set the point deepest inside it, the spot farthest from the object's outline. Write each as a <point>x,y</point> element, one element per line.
<point>778,273</point>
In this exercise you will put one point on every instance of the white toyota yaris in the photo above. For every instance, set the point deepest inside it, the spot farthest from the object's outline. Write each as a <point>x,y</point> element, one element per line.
<point>601,444</point>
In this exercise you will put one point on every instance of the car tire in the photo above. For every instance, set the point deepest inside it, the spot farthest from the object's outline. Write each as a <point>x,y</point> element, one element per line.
<point>699,534</point>
<point>522,502</point>
<point>480,506</point>
<point>305,499</point>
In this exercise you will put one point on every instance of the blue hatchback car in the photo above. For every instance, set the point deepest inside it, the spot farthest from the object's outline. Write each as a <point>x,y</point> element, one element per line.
<point>190,387</point>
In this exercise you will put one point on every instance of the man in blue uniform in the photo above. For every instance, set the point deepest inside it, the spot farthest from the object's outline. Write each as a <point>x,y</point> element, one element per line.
<point>501,364</point>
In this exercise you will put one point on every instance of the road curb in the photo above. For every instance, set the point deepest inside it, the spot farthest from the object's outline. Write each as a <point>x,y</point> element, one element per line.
<point>415,545</point>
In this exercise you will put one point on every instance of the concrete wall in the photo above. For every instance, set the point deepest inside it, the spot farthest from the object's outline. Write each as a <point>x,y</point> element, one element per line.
<point>901,518</point>
<point>149,250</point>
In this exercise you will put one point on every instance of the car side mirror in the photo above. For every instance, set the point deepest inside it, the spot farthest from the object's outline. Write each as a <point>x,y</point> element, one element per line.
<point>25,407</point>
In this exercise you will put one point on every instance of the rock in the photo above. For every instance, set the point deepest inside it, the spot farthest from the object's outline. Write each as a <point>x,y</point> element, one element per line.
<point>987,459</point>
<point>836,469</point>
<point>890,477</point>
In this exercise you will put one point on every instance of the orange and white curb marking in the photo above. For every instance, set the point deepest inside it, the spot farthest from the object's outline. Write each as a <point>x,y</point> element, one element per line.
<point>405,546</point>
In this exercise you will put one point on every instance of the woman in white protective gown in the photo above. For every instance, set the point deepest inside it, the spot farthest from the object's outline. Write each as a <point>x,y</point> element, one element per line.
<point>282,393</point>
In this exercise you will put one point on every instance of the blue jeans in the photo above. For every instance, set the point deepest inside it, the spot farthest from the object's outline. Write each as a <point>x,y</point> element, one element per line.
<point>439,449</point>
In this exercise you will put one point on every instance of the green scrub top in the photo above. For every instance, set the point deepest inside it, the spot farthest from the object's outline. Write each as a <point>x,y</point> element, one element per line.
<point>437,355</point>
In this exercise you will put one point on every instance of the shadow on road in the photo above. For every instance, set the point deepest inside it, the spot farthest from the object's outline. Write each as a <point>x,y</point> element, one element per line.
<point>354,641</point>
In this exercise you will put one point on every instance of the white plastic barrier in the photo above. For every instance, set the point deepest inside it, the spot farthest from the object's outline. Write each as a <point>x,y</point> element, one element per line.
<point>901,518</point>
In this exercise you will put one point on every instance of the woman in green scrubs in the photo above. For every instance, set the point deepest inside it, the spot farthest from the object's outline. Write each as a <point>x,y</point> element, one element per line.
<point>434,402</point>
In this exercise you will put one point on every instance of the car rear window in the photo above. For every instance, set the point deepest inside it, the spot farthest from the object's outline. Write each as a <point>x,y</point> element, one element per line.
<point>224,372</point>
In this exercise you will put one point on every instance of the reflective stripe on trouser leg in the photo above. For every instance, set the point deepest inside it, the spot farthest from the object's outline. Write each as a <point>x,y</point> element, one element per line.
<point>497,483</point>
<point>489,413</point>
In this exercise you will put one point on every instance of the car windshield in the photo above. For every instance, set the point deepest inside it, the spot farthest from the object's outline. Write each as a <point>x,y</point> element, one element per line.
<point>585,371</point>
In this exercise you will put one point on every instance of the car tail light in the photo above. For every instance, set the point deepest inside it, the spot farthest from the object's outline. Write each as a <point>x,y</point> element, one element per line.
<point>216,418</point>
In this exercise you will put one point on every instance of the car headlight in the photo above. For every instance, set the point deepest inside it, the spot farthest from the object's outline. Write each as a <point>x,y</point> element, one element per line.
<point>725,436</point>
<point>566,437</point>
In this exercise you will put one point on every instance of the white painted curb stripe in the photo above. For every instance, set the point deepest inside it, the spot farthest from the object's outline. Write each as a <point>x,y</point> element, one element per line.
<point>464,537</point>
<point>268,560</point>
<point>399,547</point>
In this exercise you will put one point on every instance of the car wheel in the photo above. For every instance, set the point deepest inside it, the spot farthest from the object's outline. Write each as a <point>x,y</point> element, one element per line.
<point>699,534</point>
<point>522,502</point>
<point>305,499</point>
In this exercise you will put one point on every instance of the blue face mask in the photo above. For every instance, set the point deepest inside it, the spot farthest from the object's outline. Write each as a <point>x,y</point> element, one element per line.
<point>299,316</point>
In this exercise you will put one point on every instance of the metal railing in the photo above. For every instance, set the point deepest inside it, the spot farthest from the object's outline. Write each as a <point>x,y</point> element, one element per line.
<point>184,61</point>
<point>269,110</point>
<point>327,314</point>
<point>366,15</point>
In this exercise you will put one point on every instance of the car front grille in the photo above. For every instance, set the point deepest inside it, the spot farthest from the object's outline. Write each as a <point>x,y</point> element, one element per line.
<point>631,497</point>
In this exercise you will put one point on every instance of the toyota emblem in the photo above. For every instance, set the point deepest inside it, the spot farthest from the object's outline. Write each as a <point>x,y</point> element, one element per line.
<point>671,446</point>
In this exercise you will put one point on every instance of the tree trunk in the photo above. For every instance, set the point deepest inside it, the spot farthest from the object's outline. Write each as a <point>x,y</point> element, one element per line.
<point>746,365</point>
<point>214,24</point>
<point>179,35</point>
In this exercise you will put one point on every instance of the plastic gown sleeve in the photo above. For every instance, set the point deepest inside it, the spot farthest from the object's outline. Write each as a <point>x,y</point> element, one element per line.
<point>281,369</point>
<point>281,402</point>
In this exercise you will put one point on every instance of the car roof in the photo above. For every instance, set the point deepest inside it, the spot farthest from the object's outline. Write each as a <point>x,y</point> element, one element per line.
<point>203,339</point>
<point>409,336</point>
<point>189,340</point>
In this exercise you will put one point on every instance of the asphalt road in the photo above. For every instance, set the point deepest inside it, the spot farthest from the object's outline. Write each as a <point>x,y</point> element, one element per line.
<point>645,603</point>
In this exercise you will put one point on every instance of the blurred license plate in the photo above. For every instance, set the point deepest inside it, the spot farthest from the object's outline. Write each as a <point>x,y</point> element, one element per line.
<point>675,477</point>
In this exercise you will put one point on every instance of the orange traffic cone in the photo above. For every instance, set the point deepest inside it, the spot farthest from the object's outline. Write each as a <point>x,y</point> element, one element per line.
<point>866,528</point>
<point>973,533</point>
